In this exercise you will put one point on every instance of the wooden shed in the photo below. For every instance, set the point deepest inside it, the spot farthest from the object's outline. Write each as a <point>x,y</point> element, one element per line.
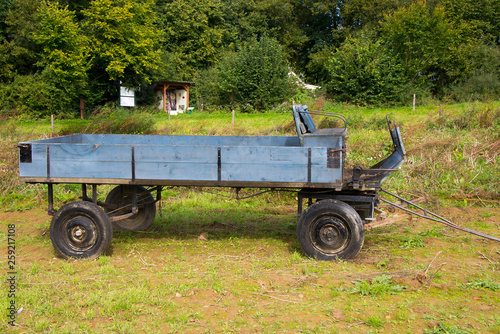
<point>173,96</point>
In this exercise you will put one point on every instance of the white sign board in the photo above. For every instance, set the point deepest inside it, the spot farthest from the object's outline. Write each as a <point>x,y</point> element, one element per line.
<point>127,97</point>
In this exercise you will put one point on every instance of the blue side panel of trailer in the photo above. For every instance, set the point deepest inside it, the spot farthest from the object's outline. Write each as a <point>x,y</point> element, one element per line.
<point>90,161</point>
<point>99,158</point>
<point>197,163</point>
<point>313,158</point>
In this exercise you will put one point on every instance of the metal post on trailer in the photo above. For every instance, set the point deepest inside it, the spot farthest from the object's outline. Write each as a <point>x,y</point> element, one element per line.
<point>158,199</point>
<point>50,195</point>
<point>299,205</point>
<point>84,191</point>
<point>134,200</point>
<point>85,196</point>
<point>94,193</point>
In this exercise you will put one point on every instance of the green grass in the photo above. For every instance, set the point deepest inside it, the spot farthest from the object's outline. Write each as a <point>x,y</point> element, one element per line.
<point>382,284</point>
<point>481,284</point>
<point>248,273</point>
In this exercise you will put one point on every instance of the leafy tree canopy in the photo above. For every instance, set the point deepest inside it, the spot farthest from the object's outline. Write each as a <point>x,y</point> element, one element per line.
<point>18,52</point>
<point>194,35</point>
<point>427,44</point>
<point>363,71</point>
<point>123,41</point>
<point>363,51</point>
<point>63,57</point>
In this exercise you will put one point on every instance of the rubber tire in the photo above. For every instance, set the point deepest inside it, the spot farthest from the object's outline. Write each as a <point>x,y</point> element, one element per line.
<point>96,226</point>
<point>341,221</point>
<point>144,216</point>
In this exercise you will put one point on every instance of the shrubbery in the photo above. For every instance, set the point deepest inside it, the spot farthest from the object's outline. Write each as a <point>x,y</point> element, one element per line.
<point>254,77</point>
<point>32,96</point>
<point>363,72</point>
<point>417,49</point>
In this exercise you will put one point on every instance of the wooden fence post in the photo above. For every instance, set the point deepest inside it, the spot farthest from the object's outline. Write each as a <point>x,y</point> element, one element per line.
<point>81,107</point>
<point>52,124</point>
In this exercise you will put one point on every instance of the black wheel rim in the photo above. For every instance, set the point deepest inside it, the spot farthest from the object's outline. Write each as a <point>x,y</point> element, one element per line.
<point>80,233</point>
<point>330,234</point>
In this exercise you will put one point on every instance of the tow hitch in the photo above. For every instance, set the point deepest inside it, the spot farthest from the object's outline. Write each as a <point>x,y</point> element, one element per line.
<point>432,216</point>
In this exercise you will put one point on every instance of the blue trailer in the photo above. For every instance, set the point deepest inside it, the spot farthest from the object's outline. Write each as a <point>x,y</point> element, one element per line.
<point>340,200</point>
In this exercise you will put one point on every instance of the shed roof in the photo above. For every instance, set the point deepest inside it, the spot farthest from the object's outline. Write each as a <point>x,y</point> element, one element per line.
<point>184,83</point>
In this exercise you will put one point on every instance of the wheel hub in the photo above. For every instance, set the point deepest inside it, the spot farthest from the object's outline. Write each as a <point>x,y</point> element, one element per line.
<point>78,233</point>
<point>81,232</point>
<point>331,234</point>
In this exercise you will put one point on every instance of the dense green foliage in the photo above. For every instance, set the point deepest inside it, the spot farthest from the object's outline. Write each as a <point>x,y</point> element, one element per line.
<point>418,48</point>
<point>362,71</point>
<point>256,77</point>
<point>50,58</point>
<point>52,53</point>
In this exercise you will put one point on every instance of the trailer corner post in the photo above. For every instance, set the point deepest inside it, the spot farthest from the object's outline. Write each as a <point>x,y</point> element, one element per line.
<point>48,163</point>
<point>219,166</point>
<point>158,199</point>
<point>309,167</point>
<point>133,164</point>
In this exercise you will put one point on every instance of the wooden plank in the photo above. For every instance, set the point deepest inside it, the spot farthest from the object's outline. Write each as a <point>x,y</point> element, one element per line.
<point>388,221</point>
<point>179,160</point>
<point>187,183</point>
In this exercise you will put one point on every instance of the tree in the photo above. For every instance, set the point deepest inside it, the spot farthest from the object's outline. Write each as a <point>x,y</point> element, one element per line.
<point>362,71</point>
<point>63,57</point>
<point>246,19</point>
<point>194,35</point>
<point>123,45</point>
<point>430,48</point>
<point>359,14</point>
<point>256,75</point>
<point>18,52</point>
<point>4,11</point>
<point>76,6</point>
<point>302,27</point>
<point>32,96</point>
<point>482,16</point>
<point>484,81</point>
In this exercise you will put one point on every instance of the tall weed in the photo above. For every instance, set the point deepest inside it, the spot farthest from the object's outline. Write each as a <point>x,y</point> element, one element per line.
<point>475,116</point>
<point>112,120</point>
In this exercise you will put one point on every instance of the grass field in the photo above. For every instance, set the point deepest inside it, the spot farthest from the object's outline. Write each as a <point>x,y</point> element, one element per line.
<point>213,264</point>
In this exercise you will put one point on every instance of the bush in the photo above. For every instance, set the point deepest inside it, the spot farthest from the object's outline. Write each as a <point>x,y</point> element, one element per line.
<point>33,97</point>
<point>484,83</point>
<point>255,77</point>
<point>363,72</point>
